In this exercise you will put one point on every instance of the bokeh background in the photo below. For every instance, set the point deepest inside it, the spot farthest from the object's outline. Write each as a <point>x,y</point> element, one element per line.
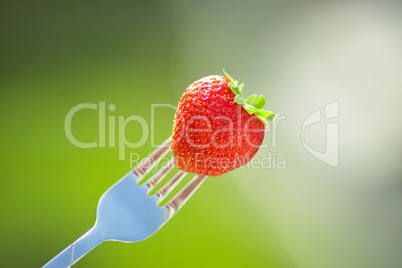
<point>301,55</point>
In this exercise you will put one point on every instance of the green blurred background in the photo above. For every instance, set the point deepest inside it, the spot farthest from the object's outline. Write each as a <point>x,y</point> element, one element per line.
<point>301,55</point>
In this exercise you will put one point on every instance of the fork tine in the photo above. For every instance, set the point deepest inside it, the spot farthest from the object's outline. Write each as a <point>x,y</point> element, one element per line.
<point>156,179</point>
<point>181,198</point>
<point>170,185</point>
<point>146,165</point>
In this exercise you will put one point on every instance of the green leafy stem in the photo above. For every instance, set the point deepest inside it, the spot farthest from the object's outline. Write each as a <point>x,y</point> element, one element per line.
<point>252,104</point>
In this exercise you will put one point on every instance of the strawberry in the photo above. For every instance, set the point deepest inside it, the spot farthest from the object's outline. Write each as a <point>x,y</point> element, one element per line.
<point>215,129</point>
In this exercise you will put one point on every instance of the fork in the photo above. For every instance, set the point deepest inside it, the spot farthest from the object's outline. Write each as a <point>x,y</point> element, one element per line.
<point>127,212</point>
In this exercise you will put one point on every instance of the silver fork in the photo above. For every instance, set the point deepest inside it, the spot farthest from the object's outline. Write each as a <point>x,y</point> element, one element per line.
<point>127,212</point>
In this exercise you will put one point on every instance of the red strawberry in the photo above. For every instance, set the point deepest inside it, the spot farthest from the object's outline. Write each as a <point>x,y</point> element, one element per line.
<point>215,130</point>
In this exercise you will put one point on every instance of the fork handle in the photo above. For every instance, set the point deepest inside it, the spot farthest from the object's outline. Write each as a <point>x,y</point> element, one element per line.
<point>76,250</point>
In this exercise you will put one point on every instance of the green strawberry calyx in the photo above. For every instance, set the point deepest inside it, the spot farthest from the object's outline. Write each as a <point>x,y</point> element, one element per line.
<point>251,108</point>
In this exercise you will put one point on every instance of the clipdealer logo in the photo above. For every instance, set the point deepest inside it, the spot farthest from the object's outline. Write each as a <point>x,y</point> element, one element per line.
<point>108,123</point>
